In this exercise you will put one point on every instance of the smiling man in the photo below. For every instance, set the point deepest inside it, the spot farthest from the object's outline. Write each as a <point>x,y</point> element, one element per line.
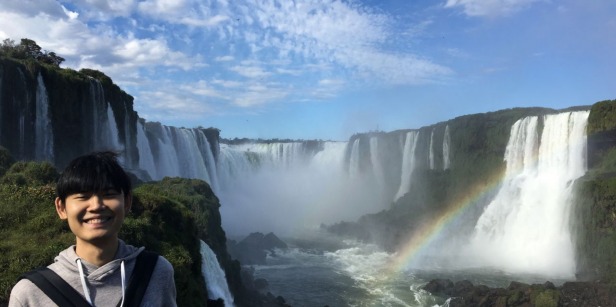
<point>94,196</point>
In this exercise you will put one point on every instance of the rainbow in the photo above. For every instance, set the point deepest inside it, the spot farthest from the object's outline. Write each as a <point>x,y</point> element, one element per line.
<point>425,234</point>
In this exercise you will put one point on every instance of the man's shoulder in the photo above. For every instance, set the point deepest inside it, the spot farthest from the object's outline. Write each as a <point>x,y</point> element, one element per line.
<point>163,264</point>
<point>26,293</point>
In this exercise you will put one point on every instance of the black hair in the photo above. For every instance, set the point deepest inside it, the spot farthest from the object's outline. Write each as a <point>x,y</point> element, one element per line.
<point>94,172</point>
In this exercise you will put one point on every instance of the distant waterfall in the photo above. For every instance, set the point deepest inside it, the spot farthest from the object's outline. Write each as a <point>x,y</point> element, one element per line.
<point>377,167</point>
<point>408,163</point>
<point>431,156</point>
<point>354,161</point>
<point>446,144</point>
<point>110,134</point>
<point>43,130</point>
<point>146,159</point>
<point>526,227</point>
<point>214,276</point>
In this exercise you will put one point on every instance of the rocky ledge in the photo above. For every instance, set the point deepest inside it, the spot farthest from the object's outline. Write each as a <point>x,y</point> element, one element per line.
<point>571,294</point>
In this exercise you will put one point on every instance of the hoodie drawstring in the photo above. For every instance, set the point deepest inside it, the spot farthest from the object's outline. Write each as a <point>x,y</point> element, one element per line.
<point>123,282</point>
<point>84,286</point>
<point>86,291</point>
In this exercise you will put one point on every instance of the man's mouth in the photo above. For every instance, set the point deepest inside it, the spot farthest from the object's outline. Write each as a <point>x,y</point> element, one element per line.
<point>99,220</point>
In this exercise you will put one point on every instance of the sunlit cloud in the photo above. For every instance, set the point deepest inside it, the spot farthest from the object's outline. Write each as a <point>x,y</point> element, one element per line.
<point>490,8</point>
<point>250,71</point>
<point>169,105</point>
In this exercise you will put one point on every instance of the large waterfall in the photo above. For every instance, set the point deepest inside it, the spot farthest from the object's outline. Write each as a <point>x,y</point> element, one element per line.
<point>526,228</point>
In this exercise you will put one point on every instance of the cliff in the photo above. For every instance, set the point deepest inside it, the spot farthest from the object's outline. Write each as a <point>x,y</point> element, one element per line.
<point>52,114</point>
<point>596,198</point>
<point>475,145</point>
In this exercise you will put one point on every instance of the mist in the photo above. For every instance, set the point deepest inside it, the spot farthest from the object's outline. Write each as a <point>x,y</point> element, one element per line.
<point>278,188</point>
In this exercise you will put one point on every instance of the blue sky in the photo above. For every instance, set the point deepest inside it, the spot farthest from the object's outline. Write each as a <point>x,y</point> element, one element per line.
<point>324,69</point>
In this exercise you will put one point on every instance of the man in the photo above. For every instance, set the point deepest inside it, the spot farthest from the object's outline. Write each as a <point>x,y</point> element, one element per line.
<point>94,196</point>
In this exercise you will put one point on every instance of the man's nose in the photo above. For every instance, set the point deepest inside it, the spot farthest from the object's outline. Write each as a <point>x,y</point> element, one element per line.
<point>96,202</point>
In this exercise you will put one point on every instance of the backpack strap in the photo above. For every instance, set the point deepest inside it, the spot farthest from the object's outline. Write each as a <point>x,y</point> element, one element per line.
<point>56,288</point>
<point>139,280</point>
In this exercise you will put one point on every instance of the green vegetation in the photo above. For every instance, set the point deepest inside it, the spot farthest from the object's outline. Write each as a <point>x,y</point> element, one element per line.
<point>602,117</point>
<point>596,198</point>
<point>167,217</point>
<point>27,49</point>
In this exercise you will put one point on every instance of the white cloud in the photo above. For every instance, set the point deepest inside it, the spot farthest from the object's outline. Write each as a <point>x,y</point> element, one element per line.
<point>227,83</point>
<point>197,22</point>
<point>33,8</point>
<point>201,88</point>
<point>341,34</point>
<point>105,9</point>
<point>258,95</point>
<point>250,71</point>
<point>490,8</point>
<point>170,104</point>
<point>225,58</point>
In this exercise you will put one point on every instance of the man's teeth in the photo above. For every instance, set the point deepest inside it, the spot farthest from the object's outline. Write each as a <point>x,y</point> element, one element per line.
<point>97,221</point>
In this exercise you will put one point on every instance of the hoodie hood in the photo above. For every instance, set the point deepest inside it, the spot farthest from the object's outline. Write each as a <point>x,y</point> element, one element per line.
<point>67,261</point>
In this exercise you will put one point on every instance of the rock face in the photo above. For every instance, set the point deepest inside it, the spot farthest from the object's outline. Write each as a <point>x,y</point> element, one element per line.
<point>465,294</point>
<point>596,198</point>
<point>253,249</point>
<point>53,114</point>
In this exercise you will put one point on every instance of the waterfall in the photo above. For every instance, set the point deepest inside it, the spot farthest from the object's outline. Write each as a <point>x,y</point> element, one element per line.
<point>21,122</point>
<point>146,158</point>
<point>215,280</point>
<point>377,167</point>
<point>431,156</point>
<point>408,163</point>
<point>354,160</point>
<point>110,135</point>
<point>43,129</point>
<point>446,143</point>
<point>526,228</point>
<point>208,156</point>
<point>192,164</point>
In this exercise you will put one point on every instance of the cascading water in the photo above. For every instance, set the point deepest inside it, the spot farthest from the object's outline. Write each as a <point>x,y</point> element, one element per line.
<point>526,228</point>
<point>43,131</point>
<point>446,144</point>
<point>375,160</point>
<point>146,159</point>
<point>354,160</point>
<point>431,156</point>
<point>408,163</point>
<point>109,136</point>
<point>215,280</point>
<point>208,157</point>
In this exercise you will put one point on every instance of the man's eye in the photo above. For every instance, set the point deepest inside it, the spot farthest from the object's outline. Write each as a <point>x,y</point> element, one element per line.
<point>111,193</point>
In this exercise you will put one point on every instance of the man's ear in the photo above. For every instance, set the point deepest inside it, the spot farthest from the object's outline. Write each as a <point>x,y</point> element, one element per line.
<point>61,209</point>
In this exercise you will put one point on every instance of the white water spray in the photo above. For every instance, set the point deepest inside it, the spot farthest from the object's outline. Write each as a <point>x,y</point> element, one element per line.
<point>408,163</point>
<point>431,156</point>
<point>375,160</point>
<point>526,228</point>
<point>215,279</point>
<point>446,144</point>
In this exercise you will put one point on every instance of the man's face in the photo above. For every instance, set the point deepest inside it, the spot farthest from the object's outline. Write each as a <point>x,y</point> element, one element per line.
<point>94,217</point>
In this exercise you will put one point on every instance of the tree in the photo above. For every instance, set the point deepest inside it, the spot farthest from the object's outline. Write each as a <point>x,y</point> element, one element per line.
<point>30,49</point>
<point>8,47</point>
<point>51,58</point>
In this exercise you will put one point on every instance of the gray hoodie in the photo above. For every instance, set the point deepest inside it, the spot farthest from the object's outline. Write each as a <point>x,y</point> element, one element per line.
<point>104,283</point>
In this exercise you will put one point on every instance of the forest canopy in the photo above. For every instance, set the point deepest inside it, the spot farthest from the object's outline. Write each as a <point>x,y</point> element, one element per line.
<point>29,49</point>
